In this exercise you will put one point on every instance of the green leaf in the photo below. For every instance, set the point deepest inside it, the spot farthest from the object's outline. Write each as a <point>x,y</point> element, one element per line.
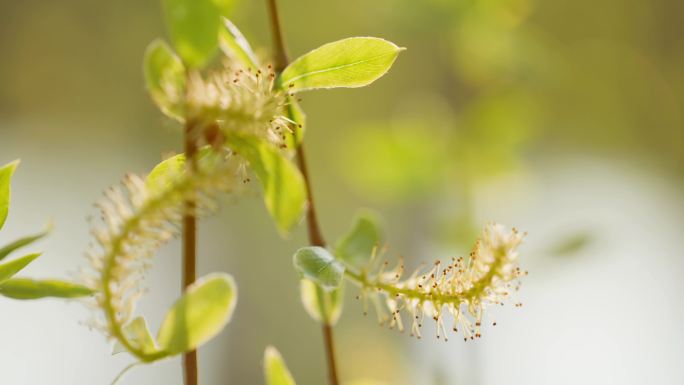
<point>283,184</point>
<point>317,264</point>
<point>26,288</point>
<point>200,314</point>
<point>352,62</point>
<point>234,44</point>
<point>170,169</point>
<point>139,334</point>
<point>6,173</point>
<point>165,79</point>
<point>8,269</point>
<point>321,305</point>
<point>296,114</point>
<point>275,370</point>
<point>21,242</point>
<point>356,247</point>
<point>194,27</point>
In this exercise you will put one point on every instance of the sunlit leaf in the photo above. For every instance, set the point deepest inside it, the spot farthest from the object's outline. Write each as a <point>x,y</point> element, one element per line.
<point>356,247</point>
<point>275,370</point>
<point>8,269</point>
<point>169,170</point>
<point>317,264</point>
<point>165,79</point>
<point>352,62</point>
<point>19,243</point>
<point>234,44</point>
<point>284,189</point>
<point>6,173</point>
<point>26,288</point>
<point>321,305</point>
<point>194,27</point>
<point>199,314</point>
<point>139,334</point>
<point>296,114</point>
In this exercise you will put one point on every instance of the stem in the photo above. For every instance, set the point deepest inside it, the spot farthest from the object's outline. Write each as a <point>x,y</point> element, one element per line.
<point>190,244</point>
<point>314,231</point>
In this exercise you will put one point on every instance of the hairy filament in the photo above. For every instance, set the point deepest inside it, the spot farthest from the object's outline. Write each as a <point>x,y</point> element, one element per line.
<point>486,278</point>
<point>137,220</point>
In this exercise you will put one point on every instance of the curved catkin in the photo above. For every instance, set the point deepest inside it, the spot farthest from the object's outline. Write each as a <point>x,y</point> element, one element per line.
<point>462,288</point>
<point>135,221</point>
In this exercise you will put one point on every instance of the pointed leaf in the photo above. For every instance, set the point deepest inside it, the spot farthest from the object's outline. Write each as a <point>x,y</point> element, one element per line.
<point>165,79</point>
<point>194,27</point>
<point>317,264</point>
<point>26,288</point>
<point>8,269</point>
<point>352,62</point>
<point>139,334</point>
<point>200,314</point>
<point>275,370</point>
<point>234,44</point>
<point>19,243</point>
<point>321,305</point>
<point>283,184</point>
<point>356,247</point>
<point>6,173</point>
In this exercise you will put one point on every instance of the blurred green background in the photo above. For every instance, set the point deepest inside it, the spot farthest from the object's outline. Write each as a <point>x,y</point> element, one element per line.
<point>562,118</point>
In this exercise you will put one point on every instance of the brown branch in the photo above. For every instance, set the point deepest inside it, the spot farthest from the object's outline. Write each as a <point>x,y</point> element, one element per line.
<point>314,231</point>
<point>190,245</point>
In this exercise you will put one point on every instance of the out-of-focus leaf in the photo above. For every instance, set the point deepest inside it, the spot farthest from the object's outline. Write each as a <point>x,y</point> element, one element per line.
<point>8,269</point>
<point>275,370</point>
<point>234,44</point>
<point>321,305</point>
<point>165,79</point>
<point>403,161</point>
<point>283,184</point>
<point>6,173</point>
<point>356,247</point>
<point>317,264</point>
<point>139,334</point>
<point>26,288</point>
<point>352,62</point>
<point>19,243</point>
<point>572,244</point>
<point>194,27</point>
<point>199,314</point>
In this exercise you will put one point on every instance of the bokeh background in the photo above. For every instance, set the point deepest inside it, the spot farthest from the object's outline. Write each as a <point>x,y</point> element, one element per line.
<point>562,118</point>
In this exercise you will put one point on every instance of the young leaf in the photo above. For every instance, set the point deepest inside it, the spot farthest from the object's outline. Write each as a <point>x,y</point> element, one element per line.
<point>275,370</point>
<point>234,44</point>
<point>352,62</point>
<point>296,114</point>
<point>138,333</point>
<point>318,265</point>
<point>166,171</point>
<point>6,173</point>
<point>199,314</point>
<point>165,79</point>
<point>284,189</point>
<point>26,288</point>
<point>356,247</point>
<point>8,269</point>
<point>194,27</point>
<point>321,305</point>
<point>19,243</point>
